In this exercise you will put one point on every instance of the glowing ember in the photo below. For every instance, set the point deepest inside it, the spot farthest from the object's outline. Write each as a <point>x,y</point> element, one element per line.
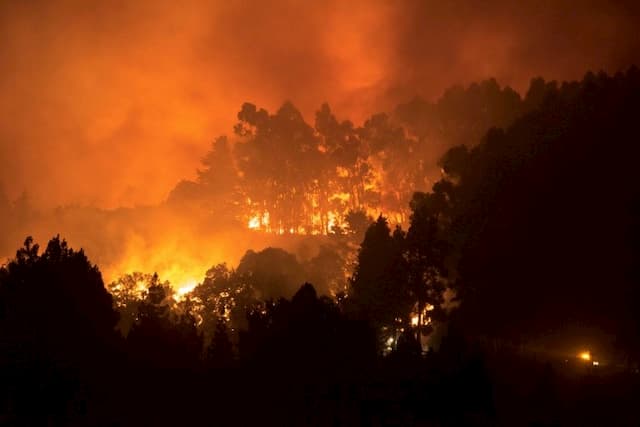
<point>585,355</point>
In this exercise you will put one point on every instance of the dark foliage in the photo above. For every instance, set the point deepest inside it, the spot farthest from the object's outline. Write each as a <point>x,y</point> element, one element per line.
<point>536,229</point>
<point>545,214</point>
<point>57,329</point>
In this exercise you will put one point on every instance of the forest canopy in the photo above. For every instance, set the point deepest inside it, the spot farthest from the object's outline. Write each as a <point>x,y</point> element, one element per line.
<point>281,174</point>
<point>530,237</point>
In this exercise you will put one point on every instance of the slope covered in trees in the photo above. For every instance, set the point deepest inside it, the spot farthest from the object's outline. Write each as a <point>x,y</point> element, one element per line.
<point>534,231</point>
<point>281,174</point>
<point>544,215</point>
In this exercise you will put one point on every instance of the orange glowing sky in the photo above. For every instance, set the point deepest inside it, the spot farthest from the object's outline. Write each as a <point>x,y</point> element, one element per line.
<point>110,103</point>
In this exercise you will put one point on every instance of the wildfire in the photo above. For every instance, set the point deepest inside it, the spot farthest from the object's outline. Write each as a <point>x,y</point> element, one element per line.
<point>182,265</point>
<point>137,291</point>
<point>254,223</point>
<point>426,319</point>
<point>184,289</point>
<point>259,222</point>
<point>334,220</point>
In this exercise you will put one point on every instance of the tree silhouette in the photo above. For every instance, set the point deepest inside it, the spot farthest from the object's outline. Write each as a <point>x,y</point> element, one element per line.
<point>543,212</point>
<point>160,337</point>
<point>534,224</point>
<point>462,115</point>
<point>327,269</point>
<point>278,158</point>
<point>358,222</point>
<point>55,303</point>
<point>57,326</point>
<point>307,334</point>
<point>220,351</point>
<point>379,291</point>
<point>129,291</point>
<point>272,272</point>
<point>285,176</point>
<point>427,250</point>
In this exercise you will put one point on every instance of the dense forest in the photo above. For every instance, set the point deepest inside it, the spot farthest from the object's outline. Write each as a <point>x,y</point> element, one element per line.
<point>473,286</point>
<point>284,175</point>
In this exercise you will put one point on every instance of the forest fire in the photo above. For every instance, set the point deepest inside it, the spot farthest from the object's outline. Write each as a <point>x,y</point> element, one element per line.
<point>319,213</point>
<point>182,274</point>
<point>422,319</point>
<point>256,222</point>
<point>335,223</point>
<point>185,288</point>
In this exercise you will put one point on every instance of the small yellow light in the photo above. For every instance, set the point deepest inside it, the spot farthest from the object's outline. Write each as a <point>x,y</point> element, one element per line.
<point>585,355</point>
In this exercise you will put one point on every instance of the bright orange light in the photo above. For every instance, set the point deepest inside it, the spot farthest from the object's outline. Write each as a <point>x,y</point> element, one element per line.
<point>334,219</point>
<point>254,223</point>
<point>185,289</point>
<point>170,257</point>
<point>426,319</point>
<point>259,222</point>
<point>585,355</point>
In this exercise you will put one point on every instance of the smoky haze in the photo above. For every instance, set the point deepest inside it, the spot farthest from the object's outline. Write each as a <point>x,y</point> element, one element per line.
<point>109,104</point>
